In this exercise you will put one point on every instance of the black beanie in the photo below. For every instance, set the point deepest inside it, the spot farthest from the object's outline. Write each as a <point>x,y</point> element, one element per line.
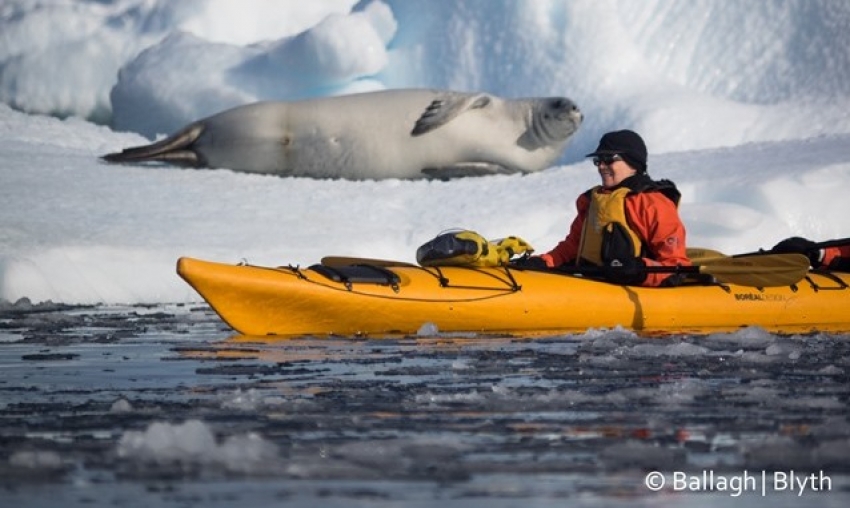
<point>628,144</point>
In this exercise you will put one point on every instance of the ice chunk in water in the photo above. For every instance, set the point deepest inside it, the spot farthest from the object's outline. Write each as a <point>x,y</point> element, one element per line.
<point>165,442</point>
<point>193,442</point>
<point>427,330</point>
<point>121,406</point>
<point>36,460</point>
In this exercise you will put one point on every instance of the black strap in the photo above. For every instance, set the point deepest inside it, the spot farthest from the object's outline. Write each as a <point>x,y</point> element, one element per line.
<point>358,274</point>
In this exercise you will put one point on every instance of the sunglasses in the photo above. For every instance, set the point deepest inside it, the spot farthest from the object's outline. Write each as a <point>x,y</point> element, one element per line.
<point>607,159</point>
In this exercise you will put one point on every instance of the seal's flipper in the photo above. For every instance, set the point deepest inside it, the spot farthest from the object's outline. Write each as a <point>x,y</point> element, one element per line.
<point>467,169</point>
<point>444,109</point>
<point>176,149</point>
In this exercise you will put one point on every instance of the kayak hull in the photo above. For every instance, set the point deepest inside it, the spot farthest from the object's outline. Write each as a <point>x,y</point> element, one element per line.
<point>292,301</point>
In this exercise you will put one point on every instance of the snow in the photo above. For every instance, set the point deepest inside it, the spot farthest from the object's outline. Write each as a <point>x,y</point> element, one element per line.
<point>744,106</point>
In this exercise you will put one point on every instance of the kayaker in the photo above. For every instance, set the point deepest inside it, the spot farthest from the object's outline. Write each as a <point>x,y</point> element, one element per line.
<point>634,220</point>
<point>831,258</point>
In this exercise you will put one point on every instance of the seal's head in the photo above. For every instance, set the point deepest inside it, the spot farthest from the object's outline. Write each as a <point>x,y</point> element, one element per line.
<point>625,143</point>
<point>559,117</point>
<point>553,122</point>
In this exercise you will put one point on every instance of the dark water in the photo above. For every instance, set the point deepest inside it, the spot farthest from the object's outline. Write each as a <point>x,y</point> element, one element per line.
<point>162,406</point>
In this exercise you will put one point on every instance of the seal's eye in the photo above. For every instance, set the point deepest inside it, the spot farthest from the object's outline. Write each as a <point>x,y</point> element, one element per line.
<point>563,105</point>
<point>560,104</point>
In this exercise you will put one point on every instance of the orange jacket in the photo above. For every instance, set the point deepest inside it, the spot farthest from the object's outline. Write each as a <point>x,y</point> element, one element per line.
<point>653,216</point>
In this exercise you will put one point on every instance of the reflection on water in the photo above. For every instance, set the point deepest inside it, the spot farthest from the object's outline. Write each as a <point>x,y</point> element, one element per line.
<point>162,406</point>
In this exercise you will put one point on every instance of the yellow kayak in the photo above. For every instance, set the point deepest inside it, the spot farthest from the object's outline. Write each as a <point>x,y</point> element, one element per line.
<point>401,298</point>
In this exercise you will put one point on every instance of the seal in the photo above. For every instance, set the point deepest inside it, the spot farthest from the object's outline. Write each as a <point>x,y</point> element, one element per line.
<point>406,134</point>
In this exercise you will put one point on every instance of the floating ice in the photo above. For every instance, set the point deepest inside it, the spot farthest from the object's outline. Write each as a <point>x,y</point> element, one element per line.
<point>427,330</point>
<point>121,406</point>
<point>831,370</point>
<point>243,400</point>
<point>193,443</point>
<point>36,460</point>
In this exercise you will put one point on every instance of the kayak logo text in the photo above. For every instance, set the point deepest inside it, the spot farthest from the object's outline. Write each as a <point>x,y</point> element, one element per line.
<point>758,297</point>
